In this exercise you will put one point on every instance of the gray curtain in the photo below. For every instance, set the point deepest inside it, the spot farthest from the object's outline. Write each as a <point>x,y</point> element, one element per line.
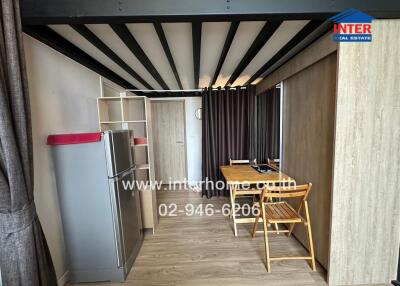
<point>228,131</point>
<point>267,125</point>
<point>24,255</point>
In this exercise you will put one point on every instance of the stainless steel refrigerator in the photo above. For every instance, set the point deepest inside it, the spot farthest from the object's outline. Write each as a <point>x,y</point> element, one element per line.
<point>100,211</point>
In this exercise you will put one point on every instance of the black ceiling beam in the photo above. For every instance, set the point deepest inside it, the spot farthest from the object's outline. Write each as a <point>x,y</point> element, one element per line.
<point>36,12</point>
<point>263,36</point>
<point>306,30</point>
<point>196,37</point>
<point>92,38</point>
<point>60,44</point>
<point>228,42</point>
<point>308,40</point>
<point>164,43</point>
<point>125,35</point>
<point>173,94</point>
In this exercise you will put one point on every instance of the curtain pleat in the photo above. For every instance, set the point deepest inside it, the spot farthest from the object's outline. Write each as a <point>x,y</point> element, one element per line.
<point>268,125</point>
<point>24,255</point>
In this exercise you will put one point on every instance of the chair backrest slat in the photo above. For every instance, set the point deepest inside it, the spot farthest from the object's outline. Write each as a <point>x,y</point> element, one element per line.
<point>287,192</point>
<point>286,195</point>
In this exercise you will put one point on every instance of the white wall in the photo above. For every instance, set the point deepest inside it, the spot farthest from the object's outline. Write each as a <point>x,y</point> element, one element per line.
<point>193,136</point>
<point>63,99</point>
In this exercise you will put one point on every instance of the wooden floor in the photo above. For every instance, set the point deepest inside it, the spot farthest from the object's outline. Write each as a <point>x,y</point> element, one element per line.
<point>201,250</point>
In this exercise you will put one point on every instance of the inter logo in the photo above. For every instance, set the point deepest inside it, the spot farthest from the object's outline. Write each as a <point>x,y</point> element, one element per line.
<point>352,26</point>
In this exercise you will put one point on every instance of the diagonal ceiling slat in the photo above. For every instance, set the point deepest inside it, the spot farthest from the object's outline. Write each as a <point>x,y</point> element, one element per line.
<point>108,37</point>
<point>60,44</point>
<point>179,38</point>
<point>286,31</point>
<point>79,41</point>
<point>91,37</point>
<point>146,35</point>
<point>245,35</point>
<point>164,43</point>
<point>196,37</point>
<point>266,32</point>
<point>322,29</point>
<point>311,26</point>
<point>228,41</point>
<point>212,43</point>
<point>123,32</point>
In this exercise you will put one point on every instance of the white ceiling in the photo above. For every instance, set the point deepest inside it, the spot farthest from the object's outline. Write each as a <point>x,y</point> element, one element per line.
<point>213,37</point>
<point>179,38</point>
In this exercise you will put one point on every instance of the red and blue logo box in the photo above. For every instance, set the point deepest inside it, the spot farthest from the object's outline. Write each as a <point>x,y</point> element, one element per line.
<point>352,26</point>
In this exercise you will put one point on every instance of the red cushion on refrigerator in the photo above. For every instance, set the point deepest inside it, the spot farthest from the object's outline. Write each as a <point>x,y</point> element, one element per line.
<point>77,138</point>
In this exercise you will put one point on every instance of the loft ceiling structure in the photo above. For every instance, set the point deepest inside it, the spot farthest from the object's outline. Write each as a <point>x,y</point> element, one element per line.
<point>94,40</point>
<point>185,44</point>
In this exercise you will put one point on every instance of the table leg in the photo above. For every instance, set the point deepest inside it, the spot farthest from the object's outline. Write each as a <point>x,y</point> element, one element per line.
<point>232,195</point>
<point>232,200</point>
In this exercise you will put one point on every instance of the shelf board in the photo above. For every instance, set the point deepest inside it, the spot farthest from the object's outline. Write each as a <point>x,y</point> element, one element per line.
<point>134,97</point>
<point>142,167</point>
<point>139,145</point>
<point>134,121</point>
<point>126,121</point>
<point>112,98</point>
<point>122,97</point>
<point>110,122</point>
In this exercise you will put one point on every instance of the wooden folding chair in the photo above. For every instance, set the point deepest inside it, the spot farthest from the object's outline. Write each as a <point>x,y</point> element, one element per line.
<point>283,212</point>
<point>235,189</point>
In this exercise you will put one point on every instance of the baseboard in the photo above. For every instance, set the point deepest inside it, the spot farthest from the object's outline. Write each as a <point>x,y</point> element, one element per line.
<point>62,281</point>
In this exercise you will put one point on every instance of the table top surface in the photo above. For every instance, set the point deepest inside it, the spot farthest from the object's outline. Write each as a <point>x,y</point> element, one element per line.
<point>236,174</point>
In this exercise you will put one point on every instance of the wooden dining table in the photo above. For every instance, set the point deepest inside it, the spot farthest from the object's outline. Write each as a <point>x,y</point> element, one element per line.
<point>237,176</point>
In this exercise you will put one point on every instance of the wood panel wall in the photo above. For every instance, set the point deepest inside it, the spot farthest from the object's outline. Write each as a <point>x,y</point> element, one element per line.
<point>365,223</point>
<point>308,135</point>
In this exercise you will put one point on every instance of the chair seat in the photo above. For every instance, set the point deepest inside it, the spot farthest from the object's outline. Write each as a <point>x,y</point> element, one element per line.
<point>281,212</point>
